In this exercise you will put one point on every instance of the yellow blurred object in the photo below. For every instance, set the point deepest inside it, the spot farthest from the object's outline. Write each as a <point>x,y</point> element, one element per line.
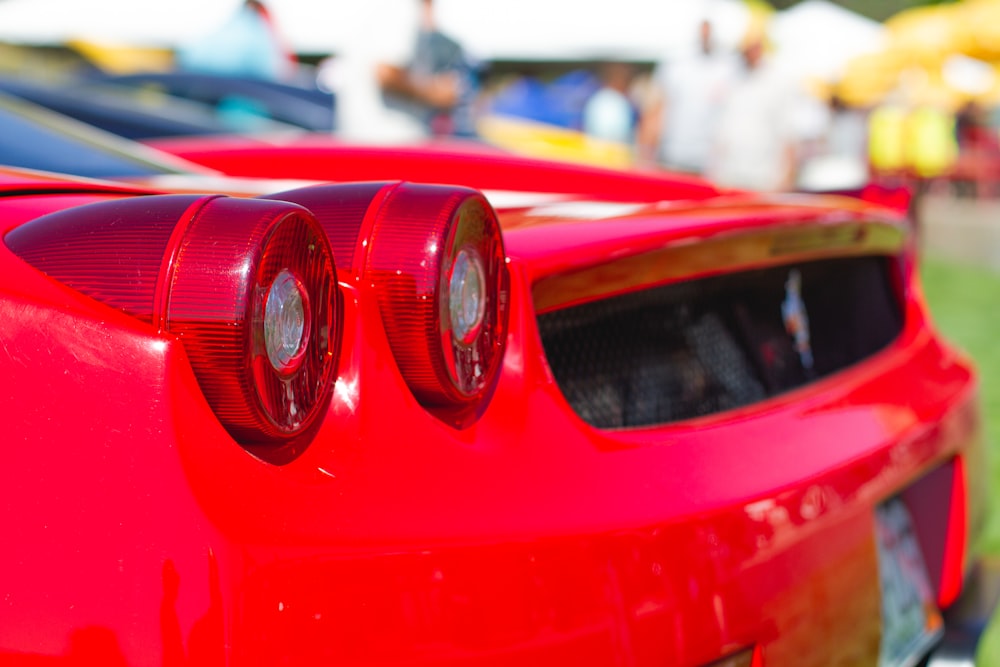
<point>759,9</point>
<point>542,140</point>
<point>931,145</point>
<point>916,140</point>
<point>867,79</point>
<point>981,19</point>
<point>927,35</point>
<point>954,46</point>
<point>887,138</point>
<point>123,59</point>
<point>759,14</point>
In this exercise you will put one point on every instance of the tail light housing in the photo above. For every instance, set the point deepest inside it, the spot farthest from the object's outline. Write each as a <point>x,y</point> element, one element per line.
<point>248,286</point>
<point>435,258</point>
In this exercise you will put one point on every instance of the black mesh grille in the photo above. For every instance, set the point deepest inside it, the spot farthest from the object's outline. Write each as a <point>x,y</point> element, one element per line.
<point>699,347</point>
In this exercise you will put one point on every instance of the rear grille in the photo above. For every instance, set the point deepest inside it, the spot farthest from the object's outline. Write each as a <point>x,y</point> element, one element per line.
<point>699,347</point>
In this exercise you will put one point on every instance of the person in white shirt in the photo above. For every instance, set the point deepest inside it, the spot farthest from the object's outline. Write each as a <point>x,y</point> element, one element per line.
<point>759,128</point>
<point>679,126</point>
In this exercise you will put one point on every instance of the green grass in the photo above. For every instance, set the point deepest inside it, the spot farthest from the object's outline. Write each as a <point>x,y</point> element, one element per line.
<point>965,303</point>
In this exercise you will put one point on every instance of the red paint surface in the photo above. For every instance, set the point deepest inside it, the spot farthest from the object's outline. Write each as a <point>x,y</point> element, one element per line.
<point>136,531</point>
<point>325,159</point>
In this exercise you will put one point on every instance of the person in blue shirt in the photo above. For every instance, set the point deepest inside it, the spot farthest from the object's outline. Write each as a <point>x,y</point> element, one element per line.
<point>247,45</point>
<point>610,113</point>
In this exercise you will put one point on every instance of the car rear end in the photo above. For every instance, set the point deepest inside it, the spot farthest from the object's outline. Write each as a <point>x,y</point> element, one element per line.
<point>712,432</point>
<point>774,360</point>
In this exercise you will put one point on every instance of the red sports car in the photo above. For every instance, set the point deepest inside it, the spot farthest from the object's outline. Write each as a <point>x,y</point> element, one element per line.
<point>460,408</point>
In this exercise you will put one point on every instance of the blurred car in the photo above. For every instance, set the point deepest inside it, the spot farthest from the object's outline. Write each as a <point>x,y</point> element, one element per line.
<point>139,114</point>
<point>237,98</point>
<point>463,408</point>
<point>34,137</point>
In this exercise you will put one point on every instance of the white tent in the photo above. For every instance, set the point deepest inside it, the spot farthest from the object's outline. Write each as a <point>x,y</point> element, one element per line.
<point>588,29</point>
<point>818,38</point>
<point>813,38</point>
<point>128,22</point>
<point>490,29</point>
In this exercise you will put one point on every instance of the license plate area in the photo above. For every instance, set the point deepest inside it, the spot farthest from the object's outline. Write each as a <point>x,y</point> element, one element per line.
<point>911,621</point>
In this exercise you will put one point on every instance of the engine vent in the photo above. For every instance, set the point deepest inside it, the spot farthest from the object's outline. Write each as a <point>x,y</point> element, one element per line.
<point>699,347</point>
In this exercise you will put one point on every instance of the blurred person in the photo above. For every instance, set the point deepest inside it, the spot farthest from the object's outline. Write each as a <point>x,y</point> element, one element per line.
<point>609,114</point>
<point>839,161</point>
<point>440,59</point>
<point>679,121</point>
<point>978,163</point>
<point>760,126</point>
<point>972,128</point>
<point>246,45</point>
<point>393,78</point>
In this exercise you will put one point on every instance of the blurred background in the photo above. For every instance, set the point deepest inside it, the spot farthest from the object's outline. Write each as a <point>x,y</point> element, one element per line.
<point>840,96</point>
<point>894,99</point>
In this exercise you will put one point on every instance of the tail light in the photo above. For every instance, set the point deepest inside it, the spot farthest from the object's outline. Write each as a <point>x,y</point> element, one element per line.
<point>249,287</point>
<point>435,256</point>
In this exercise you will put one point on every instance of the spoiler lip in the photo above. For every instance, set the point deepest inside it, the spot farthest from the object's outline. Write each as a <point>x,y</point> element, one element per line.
<point>569,262</point>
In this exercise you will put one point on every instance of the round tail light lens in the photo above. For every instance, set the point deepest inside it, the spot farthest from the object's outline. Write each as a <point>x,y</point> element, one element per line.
<point>286,322</point>
<point>437,259</point>
<point>467,295</point>
<point>249,286</point>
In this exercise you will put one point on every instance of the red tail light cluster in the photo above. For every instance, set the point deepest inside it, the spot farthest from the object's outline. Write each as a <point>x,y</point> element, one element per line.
<point>249,286</point>
<point>435,256</point>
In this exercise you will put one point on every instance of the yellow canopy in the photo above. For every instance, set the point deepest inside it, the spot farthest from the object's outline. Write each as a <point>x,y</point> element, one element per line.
<point>927,35</point>
<point>942,56</point>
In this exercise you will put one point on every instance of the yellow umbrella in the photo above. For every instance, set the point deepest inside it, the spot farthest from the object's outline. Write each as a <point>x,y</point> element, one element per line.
<point>945,51</point>
<point>927,35</point>
<point>868,78</point>
<point>981,19</point>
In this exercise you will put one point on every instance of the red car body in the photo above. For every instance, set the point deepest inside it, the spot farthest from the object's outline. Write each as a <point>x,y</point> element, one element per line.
<point>138,530</point>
